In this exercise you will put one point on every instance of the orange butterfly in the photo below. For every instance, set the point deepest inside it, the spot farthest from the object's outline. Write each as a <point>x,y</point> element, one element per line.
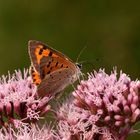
<point>51,70</point>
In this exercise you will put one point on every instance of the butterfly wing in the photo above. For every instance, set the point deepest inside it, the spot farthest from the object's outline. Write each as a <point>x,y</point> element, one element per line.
<point>56,82</point>
<point>38,50</point>
<point>45,60</point>
<point>52,71</point>
<point>35,76</point>
<point>51,64</point>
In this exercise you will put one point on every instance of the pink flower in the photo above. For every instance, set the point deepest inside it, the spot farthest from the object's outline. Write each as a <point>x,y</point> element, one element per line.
<point>77,123</point>
<point>29,133</point>
<point>115,100</point>
<point>19,101</point>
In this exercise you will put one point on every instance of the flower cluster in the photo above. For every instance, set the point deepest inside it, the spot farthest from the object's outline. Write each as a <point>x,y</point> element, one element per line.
<point>18,100</point>
<point>27,133</point>
<point>80,124</point>
<point>114,101</point>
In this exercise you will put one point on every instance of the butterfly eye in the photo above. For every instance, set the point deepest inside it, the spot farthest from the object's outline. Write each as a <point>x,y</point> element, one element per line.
<point>79,66</point>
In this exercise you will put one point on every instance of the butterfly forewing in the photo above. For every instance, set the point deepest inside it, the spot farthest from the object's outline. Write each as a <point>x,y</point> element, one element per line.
<point>35,76</point>
<point>50,64</point>
<point>37,50</point>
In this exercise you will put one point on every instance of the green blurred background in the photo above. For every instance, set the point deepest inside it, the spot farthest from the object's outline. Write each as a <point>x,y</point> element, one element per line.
<point>110,30</point>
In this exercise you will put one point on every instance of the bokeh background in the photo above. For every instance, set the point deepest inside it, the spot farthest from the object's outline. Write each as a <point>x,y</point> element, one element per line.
<point>110,30</point>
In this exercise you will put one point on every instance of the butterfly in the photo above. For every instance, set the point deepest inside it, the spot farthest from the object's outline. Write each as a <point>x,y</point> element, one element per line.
<point>51,70</point>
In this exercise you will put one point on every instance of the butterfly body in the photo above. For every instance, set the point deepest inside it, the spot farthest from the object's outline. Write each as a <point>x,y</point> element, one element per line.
<point>51,70</point>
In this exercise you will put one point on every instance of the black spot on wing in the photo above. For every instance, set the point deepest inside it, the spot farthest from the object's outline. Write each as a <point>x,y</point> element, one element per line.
<point>51,76</point>
<point>62,66</point>
<point>48,72</point>
<point>43,74</point>
<point>33,75</point>
<point>49,65</point>
<point>56,64</point>
<point>44,47</point>
<point>50,53</point>
<point>40,52</point>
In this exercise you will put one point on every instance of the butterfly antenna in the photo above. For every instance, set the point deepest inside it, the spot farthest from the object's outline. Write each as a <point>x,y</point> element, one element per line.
<point>73,86</point>
<point>80,53</point>
<point>88,62</point>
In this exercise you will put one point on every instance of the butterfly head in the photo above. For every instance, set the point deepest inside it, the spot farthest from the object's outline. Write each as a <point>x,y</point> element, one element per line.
<point>79,66</point>
<point>77,72</point>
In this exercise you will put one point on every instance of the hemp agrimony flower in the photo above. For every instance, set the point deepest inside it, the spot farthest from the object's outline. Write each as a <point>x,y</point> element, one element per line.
<point>19,101</point>
<point>103,107</point>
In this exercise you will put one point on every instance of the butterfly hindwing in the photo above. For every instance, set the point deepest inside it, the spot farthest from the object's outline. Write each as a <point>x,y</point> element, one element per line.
<point>55,82</point>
